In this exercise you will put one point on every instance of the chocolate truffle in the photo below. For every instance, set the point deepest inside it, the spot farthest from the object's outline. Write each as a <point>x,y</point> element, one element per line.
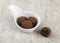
<point>26,24</point>
<point>33,20</point>
<point>46,31</point>
<point>21,19</point>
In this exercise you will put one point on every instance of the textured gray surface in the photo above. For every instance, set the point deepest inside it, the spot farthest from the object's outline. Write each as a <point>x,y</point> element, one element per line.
<point>48,10</point>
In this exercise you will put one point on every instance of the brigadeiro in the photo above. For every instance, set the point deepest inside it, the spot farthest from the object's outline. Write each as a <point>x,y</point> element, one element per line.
<point>33,20</point>
<point>27,24</point>
<point>46,31</point>
<point>21,19</point>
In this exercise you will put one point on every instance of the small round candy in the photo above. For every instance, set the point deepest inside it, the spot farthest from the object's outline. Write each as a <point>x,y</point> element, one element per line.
<point>33,20</point>
<point>26,24</point>
<point>21,19</point>
<point>46,31</point>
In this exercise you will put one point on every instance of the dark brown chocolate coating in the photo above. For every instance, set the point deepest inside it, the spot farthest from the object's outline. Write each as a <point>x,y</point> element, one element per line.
<point>21,19</point>
<point>46,31</point>
<point>33,20</point>
<point>26,24</point>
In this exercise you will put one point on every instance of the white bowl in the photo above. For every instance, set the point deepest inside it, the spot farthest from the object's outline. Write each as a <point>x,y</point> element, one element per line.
<point>17,12</point>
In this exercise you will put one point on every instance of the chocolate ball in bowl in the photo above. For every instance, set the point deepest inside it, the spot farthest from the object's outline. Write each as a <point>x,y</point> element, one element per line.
<point>21,19</point>
<point>33,20</point>
<point>27,24</point>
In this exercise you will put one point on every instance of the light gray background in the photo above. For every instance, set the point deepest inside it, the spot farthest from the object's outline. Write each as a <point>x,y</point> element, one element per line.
<point>48,10</point>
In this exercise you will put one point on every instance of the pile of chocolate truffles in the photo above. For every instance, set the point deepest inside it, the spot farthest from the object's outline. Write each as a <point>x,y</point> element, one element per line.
<point>27,23</point>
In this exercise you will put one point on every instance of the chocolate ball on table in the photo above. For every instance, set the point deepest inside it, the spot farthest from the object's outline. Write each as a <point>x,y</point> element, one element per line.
<point>27,24</point>
<point>33,20</point>
<point>46,31</point>
<point>21,19</point>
